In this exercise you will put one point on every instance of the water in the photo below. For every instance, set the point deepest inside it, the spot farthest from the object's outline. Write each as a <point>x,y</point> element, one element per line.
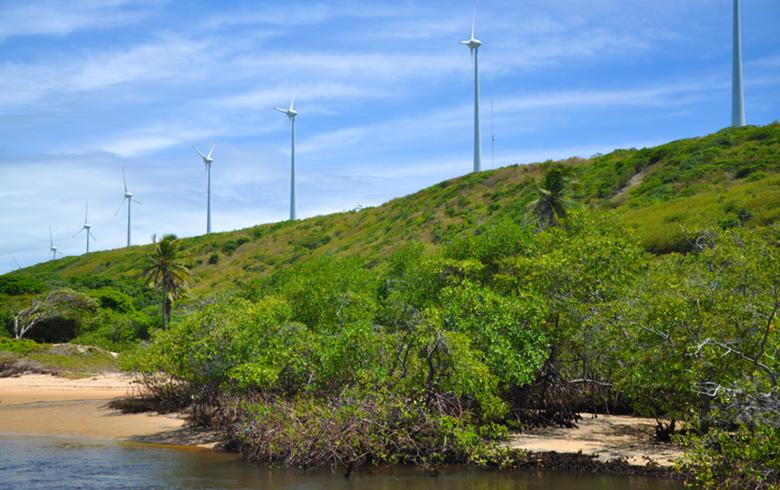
<point>51,463</point>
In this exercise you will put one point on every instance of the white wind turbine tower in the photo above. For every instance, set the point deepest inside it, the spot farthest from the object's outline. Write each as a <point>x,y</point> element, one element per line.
<point>737,92</point>
<point>54,250</point>
<point>291,113</point>
<point>473,44</point>
<point>130,199</point>
<point>207,161</point>
<point>86,226</point>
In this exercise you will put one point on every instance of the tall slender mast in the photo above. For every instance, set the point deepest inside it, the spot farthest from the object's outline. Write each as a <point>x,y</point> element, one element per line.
<point>87,226</point>
<point>737,92</point>
<point>292,169</point>
<point>208,199</point>
<point>291,113</point>
<point>477,133</point>
<point>207,161</point>
<point>129,203</point>
<point>473,44</point>
<point>492,138</point>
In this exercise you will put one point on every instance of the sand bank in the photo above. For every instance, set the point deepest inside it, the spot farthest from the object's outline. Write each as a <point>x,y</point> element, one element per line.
<point>52,406</point>
<point>606,436</point>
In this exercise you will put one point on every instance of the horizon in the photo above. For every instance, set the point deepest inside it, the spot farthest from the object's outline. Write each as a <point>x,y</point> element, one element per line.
<point>93,87</point>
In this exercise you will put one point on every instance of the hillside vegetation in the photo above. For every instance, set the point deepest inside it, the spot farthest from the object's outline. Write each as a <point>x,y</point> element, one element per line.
<point>727,179</point>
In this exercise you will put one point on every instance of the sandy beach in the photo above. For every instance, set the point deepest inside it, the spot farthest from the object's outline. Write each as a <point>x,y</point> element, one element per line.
<point>46,405</point>
<point>606,436</point>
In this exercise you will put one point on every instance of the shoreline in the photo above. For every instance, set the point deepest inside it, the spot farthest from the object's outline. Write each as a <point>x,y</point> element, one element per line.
<point>46,405</point>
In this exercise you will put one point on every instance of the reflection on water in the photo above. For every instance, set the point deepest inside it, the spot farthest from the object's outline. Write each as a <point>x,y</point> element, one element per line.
<point>69,463</point>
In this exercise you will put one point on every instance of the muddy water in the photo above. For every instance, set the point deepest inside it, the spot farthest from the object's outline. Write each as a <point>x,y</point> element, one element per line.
<point>48,462</point>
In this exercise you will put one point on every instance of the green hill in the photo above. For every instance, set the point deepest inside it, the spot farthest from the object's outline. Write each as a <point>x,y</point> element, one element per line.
<point>730,178</point>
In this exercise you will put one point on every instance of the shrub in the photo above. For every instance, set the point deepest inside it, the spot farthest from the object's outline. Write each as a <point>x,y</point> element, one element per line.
<point>745,458</point>
<point>231,246</point>
<point>358,429</point>
<point>17,284</point>
<point>113,299</point>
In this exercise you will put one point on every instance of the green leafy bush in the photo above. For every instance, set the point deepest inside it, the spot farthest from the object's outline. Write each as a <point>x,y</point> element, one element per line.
<point>17,284</point>
<point>745,458</point>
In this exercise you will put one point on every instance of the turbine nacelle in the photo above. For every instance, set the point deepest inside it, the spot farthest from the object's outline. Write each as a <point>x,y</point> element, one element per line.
<point>472,43</point>
<point>128,195</point>
<point>291,113</point>
<point>207,159</point>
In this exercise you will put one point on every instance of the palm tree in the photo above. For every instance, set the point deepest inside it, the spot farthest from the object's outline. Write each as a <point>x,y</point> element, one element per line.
<point>551,202</point>
<point>167,273</point>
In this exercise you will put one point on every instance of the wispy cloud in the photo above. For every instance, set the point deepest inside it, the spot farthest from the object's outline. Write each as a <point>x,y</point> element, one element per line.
<point>54,17</point>
<point>384,92</point>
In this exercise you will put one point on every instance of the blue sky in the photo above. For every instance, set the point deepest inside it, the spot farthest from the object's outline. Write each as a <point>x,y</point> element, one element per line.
<point>384,95</point>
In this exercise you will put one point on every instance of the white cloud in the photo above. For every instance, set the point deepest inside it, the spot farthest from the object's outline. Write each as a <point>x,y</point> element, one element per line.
<point>55,17</point>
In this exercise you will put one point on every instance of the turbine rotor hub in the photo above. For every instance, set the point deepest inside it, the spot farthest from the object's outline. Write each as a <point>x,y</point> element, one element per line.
<point>473,43</point>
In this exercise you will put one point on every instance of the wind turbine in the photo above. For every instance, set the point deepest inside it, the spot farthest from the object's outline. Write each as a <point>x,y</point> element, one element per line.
<point>130,199</point>
<point>86,227</point>
<point>54,250</point>
<point>291,113</point>
<point>737,92</point>
<point>207,161</point>
<point>473,44</point>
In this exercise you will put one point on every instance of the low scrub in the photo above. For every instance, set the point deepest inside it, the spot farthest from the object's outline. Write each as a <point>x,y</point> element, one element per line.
<point>353,430</point>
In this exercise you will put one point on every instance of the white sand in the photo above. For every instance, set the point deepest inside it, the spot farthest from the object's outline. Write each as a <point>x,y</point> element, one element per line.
<point>606,436</point>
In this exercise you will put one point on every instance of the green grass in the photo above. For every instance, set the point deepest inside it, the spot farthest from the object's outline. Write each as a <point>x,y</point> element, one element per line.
<point>62,359</point>
<point>729,178</point>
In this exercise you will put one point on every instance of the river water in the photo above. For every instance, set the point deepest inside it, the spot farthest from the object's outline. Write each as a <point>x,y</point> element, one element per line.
<point>51,463</point>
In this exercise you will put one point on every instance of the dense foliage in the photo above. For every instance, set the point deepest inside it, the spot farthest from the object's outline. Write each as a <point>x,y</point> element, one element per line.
<point>507,325</point>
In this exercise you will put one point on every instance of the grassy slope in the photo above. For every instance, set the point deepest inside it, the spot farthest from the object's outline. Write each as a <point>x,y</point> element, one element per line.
<point>61,359</point>
<point>722,179</point>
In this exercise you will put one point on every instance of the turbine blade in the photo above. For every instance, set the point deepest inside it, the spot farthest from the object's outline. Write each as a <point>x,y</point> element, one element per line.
<point>51,238</point>
<point>86,213</point>
<point>283,111</point>
<point>136,201</point>
<point>211,151</point>
<point>121,204</point>
<point>124,180</point>
<point>78,233</point>
<point>292,101</point>
<point>474,22</point>
<point>199,153</point>
<point>93,236</point>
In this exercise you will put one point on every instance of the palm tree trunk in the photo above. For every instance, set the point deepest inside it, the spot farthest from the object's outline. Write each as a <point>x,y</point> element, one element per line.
<point>164,304</point>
